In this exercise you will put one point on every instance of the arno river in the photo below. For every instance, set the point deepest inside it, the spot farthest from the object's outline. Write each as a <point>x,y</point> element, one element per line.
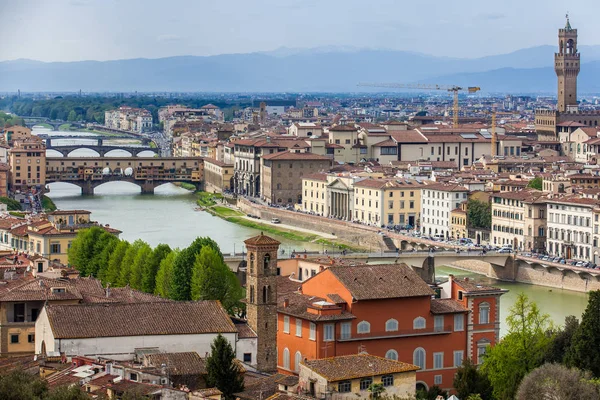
<point>169,216</point>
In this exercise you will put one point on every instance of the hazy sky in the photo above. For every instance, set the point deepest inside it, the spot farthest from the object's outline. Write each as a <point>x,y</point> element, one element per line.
<point>66,30</point>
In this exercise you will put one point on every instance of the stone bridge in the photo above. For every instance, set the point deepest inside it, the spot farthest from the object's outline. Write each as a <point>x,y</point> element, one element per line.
<point>30,122</point>
<point>423,262</point>
<point>102,150</point>
<point>146,172</point>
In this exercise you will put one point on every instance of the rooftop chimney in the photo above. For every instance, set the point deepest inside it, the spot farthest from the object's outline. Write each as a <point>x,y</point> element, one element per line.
<point>108,289</point>
<point>286,303</point>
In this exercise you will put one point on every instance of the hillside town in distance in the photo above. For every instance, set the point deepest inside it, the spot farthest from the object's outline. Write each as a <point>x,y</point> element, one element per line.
<point>391,185</point>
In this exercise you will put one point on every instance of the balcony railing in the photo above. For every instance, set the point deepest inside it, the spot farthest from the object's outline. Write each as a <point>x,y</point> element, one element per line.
<point>438,330</point>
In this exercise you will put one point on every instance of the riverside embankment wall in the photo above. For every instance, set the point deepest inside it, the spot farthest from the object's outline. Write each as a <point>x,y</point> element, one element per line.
<point>525,273</point>
<point>352,234</point>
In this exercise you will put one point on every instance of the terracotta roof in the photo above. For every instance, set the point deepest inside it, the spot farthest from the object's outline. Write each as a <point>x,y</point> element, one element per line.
<point>293,156</point>
<point>139,389</point>
<point>319,176</point>
<point>386,143</point>
<point>356,366</point>
<point>207,392</point>
<point>409,136</point>
<point>445,187</point>
<point>261,240</point>
<point>471,286</point>
<point>42,289</point>
<point>184,363</point>
<point>138,319</point>
<point>343,128</point>
<point>446,306</point>
<point>217,162</point>
<point>244,330</point>
<point>261,388</point>
<point>386,281</point>
<point>69,212</point>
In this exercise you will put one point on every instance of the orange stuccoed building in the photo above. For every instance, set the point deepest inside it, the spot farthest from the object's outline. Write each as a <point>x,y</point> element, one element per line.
<point>387,311</point>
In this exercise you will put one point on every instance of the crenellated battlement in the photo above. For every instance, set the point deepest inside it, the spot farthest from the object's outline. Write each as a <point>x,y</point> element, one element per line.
<point>543,112</point>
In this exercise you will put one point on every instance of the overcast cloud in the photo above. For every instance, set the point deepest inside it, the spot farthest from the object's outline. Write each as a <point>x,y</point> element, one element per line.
<point>68,30</point>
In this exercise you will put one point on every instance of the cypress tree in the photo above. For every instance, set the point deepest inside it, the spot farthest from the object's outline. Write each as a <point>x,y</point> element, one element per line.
<point>585,346</point>
<point>222,372</point>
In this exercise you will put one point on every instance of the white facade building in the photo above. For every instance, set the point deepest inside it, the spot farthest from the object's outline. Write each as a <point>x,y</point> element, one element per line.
<point>437,201</point>
<point>570,228</point>
<point>117,330</point>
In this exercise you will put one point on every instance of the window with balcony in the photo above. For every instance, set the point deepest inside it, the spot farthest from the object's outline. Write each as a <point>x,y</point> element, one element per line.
<point>438,323</point>
<point>346,330</point>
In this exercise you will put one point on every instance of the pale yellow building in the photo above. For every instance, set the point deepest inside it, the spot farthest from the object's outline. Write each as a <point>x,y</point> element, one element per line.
<point>383,202</point>
<point>218,176</point>
<point>348,146</point>
<point>458,222</point>
<point>314,199</point>
<point>350,377</point>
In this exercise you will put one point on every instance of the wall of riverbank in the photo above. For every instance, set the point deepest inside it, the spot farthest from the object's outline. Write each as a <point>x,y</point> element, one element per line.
<point>525,273</point>
<point>352,234</point>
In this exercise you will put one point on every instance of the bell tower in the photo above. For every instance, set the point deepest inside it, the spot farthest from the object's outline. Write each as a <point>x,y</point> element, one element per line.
<point>261,298</point>
<point>566,66</point>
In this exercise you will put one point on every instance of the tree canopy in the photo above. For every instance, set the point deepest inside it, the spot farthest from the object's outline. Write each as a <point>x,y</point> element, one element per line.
<point>584,352</point>
<point>522,350</point>
<point>197,272</point>
<point>479,214</point>
<point>554,381</point>
<point>536,183</point>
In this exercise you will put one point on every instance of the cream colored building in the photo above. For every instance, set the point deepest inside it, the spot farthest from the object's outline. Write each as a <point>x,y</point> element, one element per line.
<point>519,220</point>
<point>314,199</point>
<point>352,149</point>
<point>458,222</point>
<point>383,202</point>
<point>218,176</point>
<point>570,227</point>
<point>350,377</point>
<point>27,163</point>
<point>305,129</point>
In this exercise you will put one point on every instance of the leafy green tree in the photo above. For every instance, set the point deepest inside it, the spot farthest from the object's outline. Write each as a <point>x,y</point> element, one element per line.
<point>469,380</point>
<point>102,250</point>
<point>183,268</point>
<point>113,270</point>
<point>164,276</point>
<point>584,352</point>
<point>474,397</point>
<point>150,270</point>
<point>83,250</point>
<point>20,385</point>
<point>128,261</point>
<point>222,370</point>
<point>521,351</point>
<point>555,381</point>
<point>376,390</point>
<point>479,214</point>
<point>431,394</point>
<point>139,263</point>
<point>561,341</point>
<point>213,280</point>
<point>11,204</point>
<point>72,116</point>
<point>536,183</point>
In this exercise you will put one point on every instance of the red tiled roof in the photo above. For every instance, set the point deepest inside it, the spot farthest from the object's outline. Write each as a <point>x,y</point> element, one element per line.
<point>295,156</point>
<point>261,240</point>
<point>356,366</point>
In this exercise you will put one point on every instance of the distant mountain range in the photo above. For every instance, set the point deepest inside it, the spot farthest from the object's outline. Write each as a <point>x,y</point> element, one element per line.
<point>328,69</point>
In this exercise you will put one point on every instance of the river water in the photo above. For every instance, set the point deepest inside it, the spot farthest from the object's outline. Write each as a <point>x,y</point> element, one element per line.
<point>169,216</point>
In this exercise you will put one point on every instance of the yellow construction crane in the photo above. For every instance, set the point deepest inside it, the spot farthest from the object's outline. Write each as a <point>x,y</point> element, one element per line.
<point>449,88</point>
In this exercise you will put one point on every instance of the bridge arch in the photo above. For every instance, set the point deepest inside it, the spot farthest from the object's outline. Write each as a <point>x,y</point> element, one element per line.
<point>73,152</point>
<point>118,152</point>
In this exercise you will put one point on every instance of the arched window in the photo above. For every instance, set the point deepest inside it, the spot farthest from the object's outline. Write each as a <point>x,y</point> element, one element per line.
<point>418,357</point>
<point>419,323</point>
<point>392,355</point>
<point>391,325</point>
<point>252,263</point>
<point>251,294</point>
<point>297,360</point>
<point>484,313</point>
<point>266,262</point>
<point>363,327</point>
<point>286,358</point>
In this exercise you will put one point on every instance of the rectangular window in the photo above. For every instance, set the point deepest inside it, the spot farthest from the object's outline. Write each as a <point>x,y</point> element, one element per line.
<point>346,329</point>
<point>459,322</point>
<point>31,338</point>
<point>55,248</point>
<point>438,323</point>
<point>19,312</point>
<point>133,376</point>
<point>481,353</point>
<point>344,387</point>
<point>328,332</point>
<point>437,380</point>
<point>14,338</point>
<point>286,324</point>
<point>387,380</point>
<point>313,331</point>
<point>438,360</point>
<point>248,358</point>
<point>298,327</point>
<point>458,358</point>
<point>365,383</point>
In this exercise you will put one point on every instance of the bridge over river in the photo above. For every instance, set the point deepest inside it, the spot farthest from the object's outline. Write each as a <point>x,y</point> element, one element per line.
<point>146,172</point>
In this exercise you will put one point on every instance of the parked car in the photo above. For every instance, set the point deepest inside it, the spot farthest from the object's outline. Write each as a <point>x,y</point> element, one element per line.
<point>505,250</point>
<point>275,221</point>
